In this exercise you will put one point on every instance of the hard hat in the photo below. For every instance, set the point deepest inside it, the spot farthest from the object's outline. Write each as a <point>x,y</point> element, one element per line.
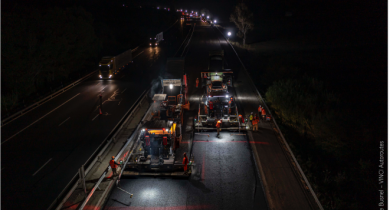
<point>113,157</point>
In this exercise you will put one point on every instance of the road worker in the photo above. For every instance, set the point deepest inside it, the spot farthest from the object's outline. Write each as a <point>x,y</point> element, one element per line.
<point>218,127</point>
<point>251,117</point>
<point>255,117</point>
<point>197,82</point>
<point>185,162</point>
<point>263,113</point>
<point>114,166</point>
<point>211,107</point>
<point>241,118</point>
<point>259,110</point>
<point>255,124</point>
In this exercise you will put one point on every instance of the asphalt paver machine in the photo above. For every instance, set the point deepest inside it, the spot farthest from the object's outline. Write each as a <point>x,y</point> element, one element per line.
<point>217,103</point>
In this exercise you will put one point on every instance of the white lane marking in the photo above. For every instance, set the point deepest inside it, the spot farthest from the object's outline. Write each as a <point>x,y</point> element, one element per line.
<point>138,54</point>
<point>64,121</point>
<point>39,119</point>
<point>95,117</point>
<point>103,88</point>
<point>42,166</point>
<point>124,90</point>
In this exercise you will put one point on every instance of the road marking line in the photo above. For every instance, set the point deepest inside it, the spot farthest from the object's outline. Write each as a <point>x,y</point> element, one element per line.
<point>138,54</point>
<point>124,90</point>
<point>42,166</point>
<point>103,88</point>
<point>64,121</point>
<point>95,117</point>
<point>39,119</point>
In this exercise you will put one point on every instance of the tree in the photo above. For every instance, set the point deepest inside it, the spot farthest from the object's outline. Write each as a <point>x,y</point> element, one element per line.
<point>242,17</point>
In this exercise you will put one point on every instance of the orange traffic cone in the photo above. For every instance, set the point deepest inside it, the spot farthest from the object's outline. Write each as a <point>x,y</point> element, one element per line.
<point>100,111</point>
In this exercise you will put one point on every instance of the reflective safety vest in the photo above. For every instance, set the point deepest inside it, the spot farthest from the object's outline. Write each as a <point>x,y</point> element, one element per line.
<point>251,117</point>
<point>254,122</point>
<point>263,112</point>
<point>218,124</point>
<point>197,81</point>
<point>112,164</point>
<point>259,109</point>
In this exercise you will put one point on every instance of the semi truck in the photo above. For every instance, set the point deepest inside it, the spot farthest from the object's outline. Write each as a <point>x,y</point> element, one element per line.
<point>155,41</point>
<point>110,65</point>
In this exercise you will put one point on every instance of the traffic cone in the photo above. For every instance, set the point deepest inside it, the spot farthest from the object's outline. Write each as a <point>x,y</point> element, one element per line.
<point>100,111</point>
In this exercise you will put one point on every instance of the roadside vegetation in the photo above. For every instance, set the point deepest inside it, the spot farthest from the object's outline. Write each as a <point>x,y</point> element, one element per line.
<point>331,107</point>
<point>45,47</point>
<point>327,91</point>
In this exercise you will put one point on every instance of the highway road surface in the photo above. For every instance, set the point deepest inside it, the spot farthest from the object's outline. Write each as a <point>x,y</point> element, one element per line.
<point>43,149</point>
<point>226,175</point>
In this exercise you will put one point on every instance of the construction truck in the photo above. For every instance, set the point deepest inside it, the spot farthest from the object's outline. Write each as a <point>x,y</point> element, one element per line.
<point>217,103</point>
<point>216,60</point>
<point>110,65</point>
<point>160,136</point>
<point>216,81</point>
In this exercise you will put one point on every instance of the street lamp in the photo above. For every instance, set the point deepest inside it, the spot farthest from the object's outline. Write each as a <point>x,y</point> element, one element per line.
<point>207,17</point>
<point>228,35</point>
<point>215,21</point>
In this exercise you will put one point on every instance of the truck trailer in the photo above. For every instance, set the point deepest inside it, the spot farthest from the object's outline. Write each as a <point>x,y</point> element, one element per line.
<point>110,65</point>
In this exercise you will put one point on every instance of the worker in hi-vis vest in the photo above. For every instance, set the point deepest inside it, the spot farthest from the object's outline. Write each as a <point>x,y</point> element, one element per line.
<point>114,166</point>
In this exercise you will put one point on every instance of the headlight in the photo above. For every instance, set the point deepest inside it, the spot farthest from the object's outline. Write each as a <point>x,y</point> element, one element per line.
<point>100,76</point>
<point>110,75</point>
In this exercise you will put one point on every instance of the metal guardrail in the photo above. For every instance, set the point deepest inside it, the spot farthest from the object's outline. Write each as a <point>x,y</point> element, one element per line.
<point>118,156</point>
<point>280,132</point>
<point>90,163</point>
<point>42,101</point>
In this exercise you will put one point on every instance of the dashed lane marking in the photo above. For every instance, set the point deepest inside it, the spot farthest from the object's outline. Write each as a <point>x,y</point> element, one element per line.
<point>95,117</point>
<point>42,166</point>
<point>64,121</point>
<point>39,119</point>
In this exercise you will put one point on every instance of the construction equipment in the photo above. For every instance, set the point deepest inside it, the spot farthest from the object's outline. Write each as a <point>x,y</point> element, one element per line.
<point>110,65</point>
<point>218,103</point>
<point>160,136</point>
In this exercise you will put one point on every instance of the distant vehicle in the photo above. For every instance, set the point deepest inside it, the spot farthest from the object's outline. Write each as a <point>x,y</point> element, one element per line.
<point>155,41</point>
<point>110,65</point>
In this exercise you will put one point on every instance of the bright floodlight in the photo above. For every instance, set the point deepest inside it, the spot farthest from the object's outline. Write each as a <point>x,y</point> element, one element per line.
<point>202,14</point>
<point>215,21</point>
<point>229,33</point>
<point>207,17</point>
<point>170,86</point>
